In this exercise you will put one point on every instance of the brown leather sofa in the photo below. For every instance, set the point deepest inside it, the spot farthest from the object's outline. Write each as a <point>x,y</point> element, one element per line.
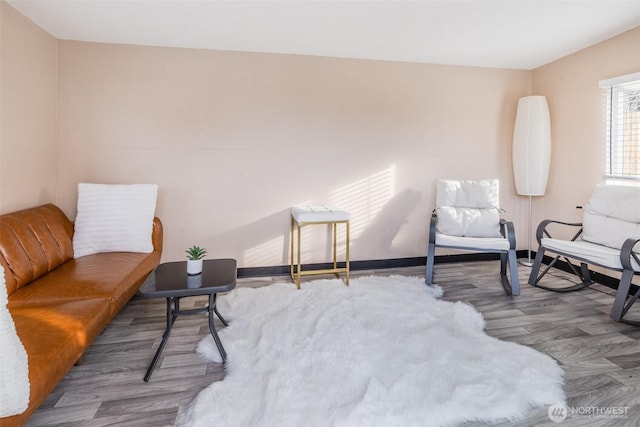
<point>60,304</point>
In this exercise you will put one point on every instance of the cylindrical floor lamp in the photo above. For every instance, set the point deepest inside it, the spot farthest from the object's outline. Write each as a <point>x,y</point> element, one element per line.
<point>531,152</point>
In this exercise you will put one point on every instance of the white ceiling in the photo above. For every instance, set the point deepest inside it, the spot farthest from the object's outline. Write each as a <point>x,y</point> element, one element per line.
<point>522,34</point>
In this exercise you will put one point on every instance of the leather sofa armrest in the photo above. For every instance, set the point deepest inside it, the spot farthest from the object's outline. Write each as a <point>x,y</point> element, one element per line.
<point>157,235</point>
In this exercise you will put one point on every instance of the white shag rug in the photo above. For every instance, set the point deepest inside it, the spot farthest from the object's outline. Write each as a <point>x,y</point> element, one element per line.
<point>382,352</point>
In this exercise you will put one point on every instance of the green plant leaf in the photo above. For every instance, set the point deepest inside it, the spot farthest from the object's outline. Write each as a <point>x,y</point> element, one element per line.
<point>195,253</point>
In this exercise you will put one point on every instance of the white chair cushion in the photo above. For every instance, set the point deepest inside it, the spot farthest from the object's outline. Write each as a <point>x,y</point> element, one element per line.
<point>617,201</point>
<point>468,208</point>
<point>607,231</point>
<point>472,243</point>
<point>469,222</point>
<point>591,252</point>
<point>312,214</point>
<point>612,215</point>
<point>481,194</point>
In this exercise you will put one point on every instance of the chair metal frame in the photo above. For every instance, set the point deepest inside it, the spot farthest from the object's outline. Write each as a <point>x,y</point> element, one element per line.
<point>506,257</point>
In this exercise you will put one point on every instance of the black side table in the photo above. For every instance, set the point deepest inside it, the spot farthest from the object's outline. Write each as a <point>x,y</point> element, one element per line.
<point>170,280</point>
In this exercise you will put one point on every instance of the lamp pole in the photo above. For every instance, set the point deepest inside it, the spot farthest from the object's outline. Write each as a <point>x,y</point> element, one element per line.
<point>528,262</point>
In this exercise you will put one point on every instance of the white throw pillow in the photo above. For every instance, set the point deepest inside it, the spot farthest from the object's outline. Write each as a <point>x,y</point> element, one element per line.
<point>114,218</point>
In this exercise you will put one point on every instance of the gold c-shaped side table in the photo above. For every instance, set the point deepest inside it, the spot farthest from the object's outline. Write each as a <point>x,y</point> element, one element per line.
<point>317,215</point>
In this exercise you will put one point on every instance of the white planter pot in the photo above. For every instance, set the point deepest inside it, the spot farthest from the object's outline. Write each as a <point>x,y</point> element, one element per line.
<point>194,281</point>
<point>194,267</point>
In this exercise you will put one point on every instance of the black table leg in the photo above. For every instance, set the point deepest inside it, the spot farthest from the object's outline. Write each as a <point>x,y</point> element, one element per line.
<point>214,334</point>
<point>215,309</point>
<point>173,310</point>
<point>171,318</point>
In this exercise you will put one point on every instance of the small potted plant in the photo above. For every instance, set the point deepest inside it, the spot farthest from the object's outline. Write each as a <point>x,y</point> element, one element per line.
<point>195,255</point>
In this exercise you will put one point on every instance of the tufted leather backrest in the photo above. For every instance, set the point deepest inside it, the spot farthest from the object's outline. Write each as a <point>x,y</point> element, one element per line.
<point>33,242</point>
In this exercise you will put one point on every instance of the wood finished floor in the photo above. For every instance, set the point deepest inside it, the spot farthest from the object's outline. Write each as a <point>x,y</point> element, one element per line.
<point>601,358</point>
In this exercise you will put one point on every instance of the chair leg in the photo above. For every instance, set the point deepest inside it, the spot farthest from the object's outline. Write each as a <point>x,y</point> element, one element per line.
<point>430,255</point>
<point>535,268</point>
<point>584,274</point>
<point>510,287</point>
<point>618,309</point>
<point>513,269</point>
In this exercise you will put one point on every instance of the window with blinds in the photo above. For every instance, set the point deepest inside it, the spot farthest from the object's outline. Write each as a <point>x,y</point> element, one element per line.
<point>622,128</point>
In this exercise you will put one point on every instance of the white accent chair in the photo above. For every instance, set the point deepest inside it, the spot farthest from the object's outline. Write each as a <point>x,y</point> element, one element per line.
<point>467,217</point>
<point>609,231</point>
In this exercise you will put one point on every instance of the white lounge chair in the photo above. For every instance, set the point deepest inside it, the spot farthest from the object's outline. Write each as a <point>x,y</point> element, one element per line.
<point>609,231</point>
<point>467,217</point>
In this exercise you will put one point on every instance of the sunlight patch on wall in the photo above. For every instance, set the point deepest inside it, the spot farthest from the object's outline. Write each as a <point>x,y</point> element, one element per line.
<point>364,199</point>
<point>268,253</point>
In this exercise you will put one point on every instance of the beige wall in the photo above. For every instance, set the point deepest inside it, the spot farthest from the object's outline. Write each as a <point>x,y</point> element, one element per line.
<point>28,104</point>
<point>235,139</point>
<point>575,103</point>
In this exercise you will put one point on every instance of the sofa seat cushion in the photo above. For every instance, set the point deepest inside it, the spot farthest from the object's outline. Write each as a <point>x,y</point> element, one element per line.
<point>113,276</point>
<point>591,252</point>
<point>55,337</point>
